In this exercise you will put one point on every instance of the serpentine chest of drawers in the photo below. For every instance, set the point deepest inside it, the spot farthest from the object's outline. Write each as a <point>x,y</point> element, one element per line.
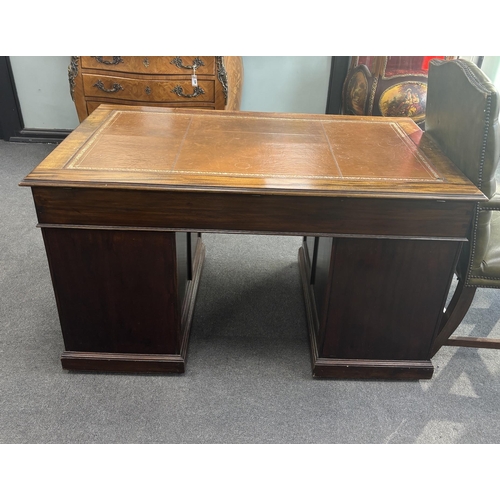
<point>207,82</point>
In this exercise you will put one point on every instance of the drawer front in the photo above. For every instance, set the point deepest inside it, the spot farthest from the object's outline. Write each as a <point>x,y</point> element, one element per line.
<point>178,90</point>
<point>152,65</point>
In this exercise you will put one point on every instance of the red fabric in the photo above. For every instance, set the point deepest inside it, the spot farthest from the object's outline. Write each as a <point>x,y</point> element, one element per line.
<point>425,63</point>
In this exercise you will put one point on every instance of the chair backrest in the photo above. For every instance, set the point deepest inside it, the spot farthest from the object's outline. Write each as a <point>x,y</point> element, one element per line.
<point>462,117</point>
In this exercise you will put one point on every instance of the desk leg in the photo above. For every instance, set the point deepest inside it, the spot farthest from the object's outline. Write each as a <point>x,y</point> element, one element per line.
<point>125,297</point>
<point>374,304</point>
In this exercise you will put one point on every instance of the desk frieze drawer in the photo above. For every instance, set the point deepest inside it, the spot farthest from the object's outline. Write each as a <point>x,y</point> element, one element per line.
<point>157,65</point>
<point>247,213</point>
<point>177,90</point>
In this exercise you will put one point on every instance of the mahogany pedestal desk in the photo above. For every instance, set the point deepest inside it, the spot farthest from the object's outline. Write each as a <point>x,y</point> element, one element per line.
<point>123,200</point>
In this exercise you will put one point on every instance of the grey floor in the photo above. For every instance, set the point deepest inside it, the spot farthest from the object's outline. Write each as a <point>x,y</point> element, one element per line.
<point>248,378</point>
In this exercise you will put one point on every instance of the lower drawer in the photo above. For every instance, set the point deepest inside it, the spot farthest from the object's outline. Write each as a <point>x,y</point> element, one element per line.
<point>178,90</point>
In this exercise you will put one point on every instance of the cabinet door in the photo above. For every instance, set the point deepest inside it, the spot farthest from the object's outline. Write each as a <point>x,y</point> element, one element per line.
<point>116,290</point>
<point>386,297</point>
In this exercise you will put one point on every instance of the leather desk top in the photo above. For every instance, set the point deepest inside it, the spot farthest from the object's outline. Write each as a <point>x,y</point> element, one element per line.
<point>260,153</point>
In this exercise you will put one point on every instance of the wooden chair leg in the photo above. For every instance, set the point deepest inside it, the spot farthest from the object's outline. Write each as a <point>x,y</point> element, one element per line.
<point>474,342</point>
<point>454,314</point>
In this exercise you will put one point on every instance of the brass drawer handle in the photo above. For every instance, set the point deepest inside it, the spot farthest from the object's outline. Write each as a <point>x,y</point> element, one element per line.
<point>148,90</point>
<point>115,88</point>
<point>115,60</point>
<point>197,91</point>
<point>177,61</point>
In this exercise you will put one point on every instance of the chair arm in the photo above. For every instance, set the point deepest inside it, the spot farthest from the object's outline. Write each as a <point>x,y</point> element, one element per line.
<point>492,204</point>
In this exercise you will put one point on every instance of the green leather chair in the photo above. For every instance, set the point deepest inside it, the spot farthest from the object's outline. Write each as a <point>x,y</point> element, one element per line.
<point>462,118</point>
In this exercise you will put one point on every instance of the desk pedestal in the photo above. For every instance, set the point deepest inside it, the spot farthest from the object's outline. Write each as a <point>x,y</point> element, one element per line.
<point>125,297</point>
<point>374,304</point>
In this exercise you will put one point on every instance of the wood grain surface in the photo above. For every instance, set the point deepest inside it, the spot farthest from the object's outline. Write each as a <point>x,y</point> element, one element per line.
<point>151,65</point>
